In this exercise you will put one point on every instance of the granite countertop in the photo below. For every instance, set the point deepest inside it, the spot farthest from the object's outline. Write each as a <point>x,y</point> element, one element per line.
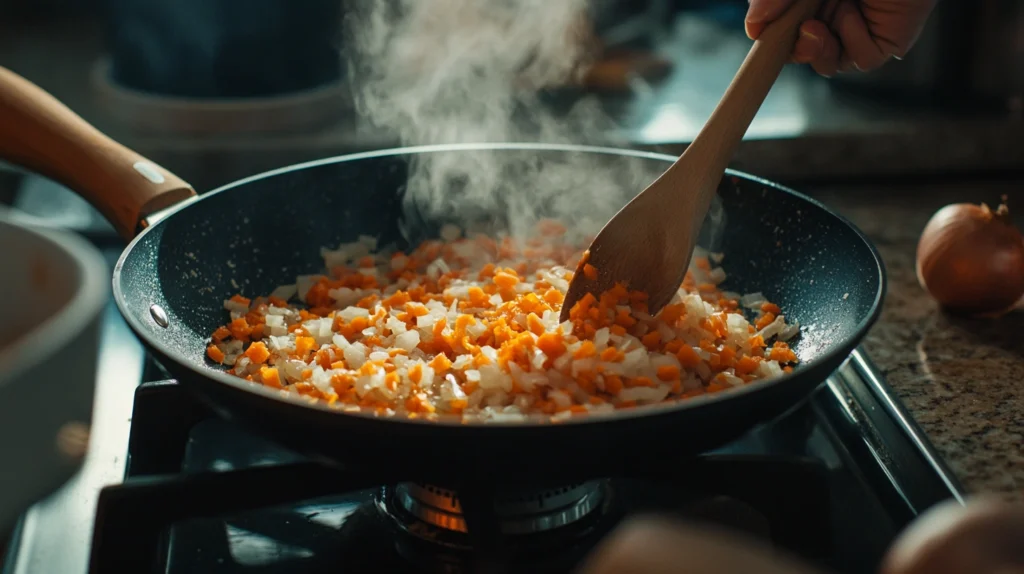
<point>961,379</point>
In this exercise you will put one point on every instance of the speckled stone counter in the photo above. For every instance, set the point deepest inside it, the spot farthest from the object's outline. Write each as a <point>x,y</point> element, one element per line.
<point>961,379</point>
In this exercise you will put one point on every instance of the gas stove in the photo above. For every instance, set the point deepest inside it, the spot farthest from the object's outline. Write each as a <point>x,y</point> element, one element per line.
<point>170,487</point>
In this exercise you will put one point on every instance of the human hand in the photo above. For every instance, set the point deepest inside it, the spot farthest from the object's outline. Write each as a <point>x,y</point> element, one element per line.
<point>849,34</point>
<point>983,536</point>
<point>659,546</point>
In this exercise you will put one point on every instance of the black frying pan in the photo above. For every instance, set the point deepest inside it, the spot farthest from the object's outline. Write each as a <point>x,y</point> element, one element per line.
<point>255,234</point>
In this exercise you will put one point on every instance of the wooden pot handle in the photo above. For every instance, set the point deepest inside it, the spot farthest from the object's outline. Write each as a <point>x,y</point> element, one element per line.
<point>39,133</point>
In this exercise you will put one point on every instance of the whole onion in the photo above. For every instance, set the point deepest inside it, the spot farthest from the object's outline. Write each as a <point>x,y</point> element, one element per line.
<point>971,259</point>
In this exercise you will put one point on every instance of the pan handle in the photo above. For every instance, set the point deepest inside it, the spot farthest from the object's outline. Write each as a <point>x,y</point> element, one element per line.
<point>39,133</point>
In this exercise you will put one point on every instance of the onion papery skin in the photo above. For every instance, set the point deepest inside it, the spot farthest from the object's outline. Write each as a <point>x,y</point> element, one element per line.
<point>971,260</point>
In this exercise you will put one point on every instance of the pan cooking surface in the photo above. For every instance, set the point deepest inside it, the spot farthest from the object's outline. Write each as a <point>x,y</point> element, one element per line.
<point>254,235</point>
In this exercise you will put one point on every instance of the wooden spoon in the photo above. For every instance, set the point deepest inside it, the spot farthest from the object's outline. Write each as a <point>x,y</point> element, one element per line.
<point>648,244</point>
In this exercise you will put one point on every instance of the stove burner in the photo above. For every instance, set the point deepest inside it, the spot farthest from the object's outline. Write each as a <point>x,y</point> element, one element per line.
<point>536,530</point>
<point>527,511</point>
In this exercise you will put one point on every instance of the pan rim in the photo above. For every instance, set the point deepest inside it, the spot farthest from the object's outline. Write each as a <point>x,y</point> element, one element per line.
<point>657,409</point>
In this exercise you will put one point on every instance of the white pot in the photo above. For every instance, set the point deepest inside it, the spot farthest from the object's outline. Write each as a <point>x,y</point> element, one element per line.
<point>53,289</point>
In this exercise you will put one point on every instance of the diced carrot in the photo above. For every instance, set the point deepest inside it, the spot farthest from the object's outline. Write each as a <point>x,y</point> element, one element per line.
<point>416,373</point>
<point>505,280</point>
<point>241,300</point>
<point>323,358</point>
<point>757,342</point>
<point>399,299</point>
<point>318,296</point>
<point>764,320</point>
<point>612,355</point>
<point>215,354</point>
<point>641,382</point>
<point>673,346</point>
<point>781,352</point>
<point>688,357</point>
<point>553,297</point>
<point>728,357</point>
<point>303,345</point>
<point>637,296</point>
<point>747,365</point>
<point>257,353</point>
<point>477,297</point>
<point>651,340</point>
<point>586,379</point>
<point>671,313</point>
<point>440,364</point>
<point>613,384</point>
<point>270,377</point>
<point>534,324</point>
<point>624,319</point>
<point>551,344</point>
<point>587,349</point>
<point>417,310</point>
<point>240,329</point>
<point>668,373</point>
<point>714,387</point>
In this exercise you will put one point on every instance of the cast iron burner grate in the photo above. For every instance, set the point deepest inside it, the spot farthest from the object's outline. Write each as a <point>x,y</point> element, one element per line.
<point>203,495</point>
<point>516,512</point>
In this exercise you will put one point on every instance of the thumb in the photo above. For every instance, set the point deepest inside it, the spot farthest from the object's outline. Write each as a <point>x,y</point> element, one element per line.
<point>761,12</point>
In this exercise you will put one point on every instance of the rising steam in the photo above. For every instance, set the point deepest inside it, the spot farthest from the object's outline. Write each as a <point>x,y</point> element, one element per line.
<point>470,71</point>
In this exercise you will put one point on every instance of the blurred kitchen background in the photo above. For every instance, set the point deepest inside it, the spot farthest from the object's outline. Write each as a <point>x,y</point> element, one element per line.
<point>220,89</point>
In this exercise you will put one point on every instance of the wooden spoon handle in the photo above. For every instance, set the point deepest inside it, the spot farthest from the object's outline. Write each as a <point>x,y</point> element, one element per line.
<point>41,134</point>
<point>729,122</point>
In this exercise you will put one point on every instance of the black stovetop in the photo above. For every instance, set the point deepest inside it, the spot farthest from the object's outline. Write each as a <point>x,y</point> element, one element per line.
<point>833,481</point>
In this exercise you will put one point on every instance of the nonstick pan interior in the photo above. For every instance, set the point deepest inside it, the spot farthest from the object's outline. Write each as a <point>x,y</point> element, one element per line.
<point>262,232</point>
